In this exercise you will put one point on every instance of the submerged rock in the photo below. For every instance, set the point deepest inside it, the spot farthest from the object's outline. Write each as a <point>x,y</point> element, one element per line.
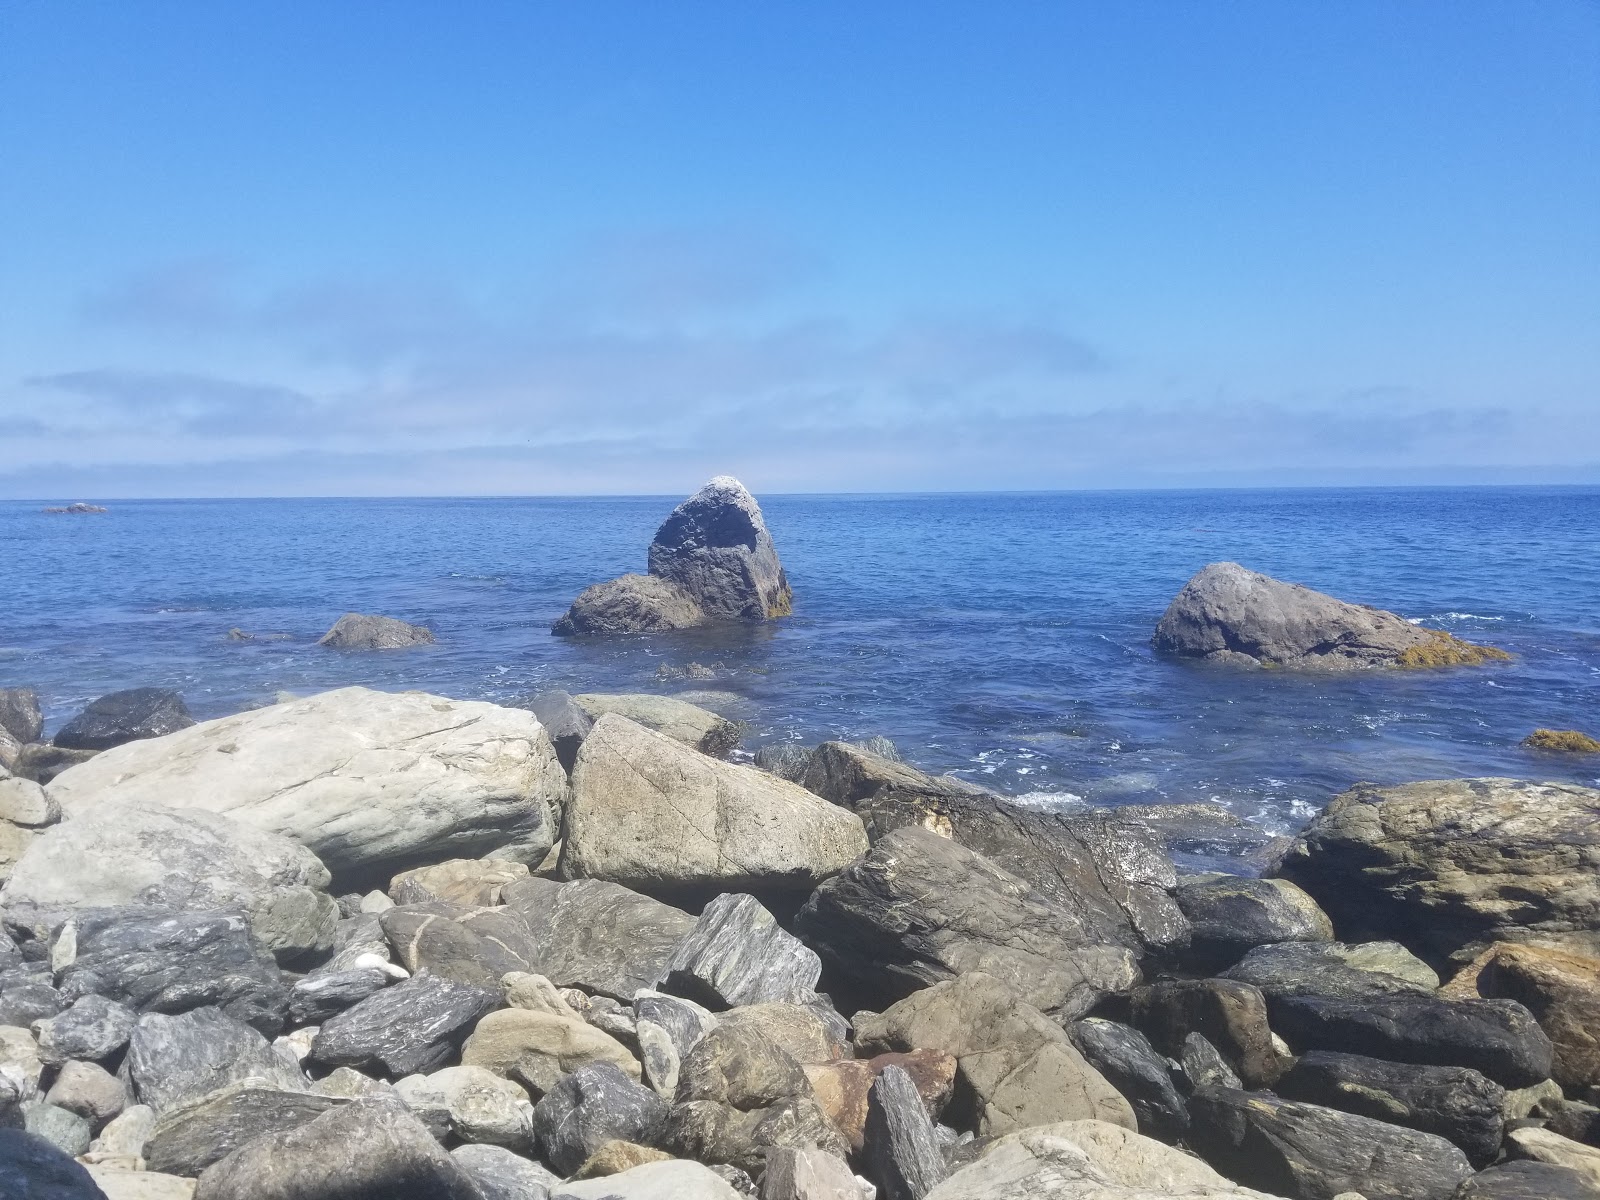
<point>359,631</point>
<point>1231,615</point>
<point>121,717</point>
<point>1562,741</point>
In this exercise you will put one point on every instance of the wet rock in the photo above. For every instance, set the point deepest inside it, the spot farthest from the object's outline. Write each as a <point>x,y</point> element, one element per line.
<point>786,760</point>
<point>88,1090</point>
<point>738,954</point>
<point>565,722</point>
<point>474,882</point>
<point>158,960</point>
<point>501,1175</point>
<point>919,908</point>
<point>900,1142</point>
<point>19,714</point>
<point>1145,1078</point>
<point>1307,1152</point>
<point>133,715</point>
<point>1524,1179</point>
<point>1229,615</point>
<point>359,631</point>
<point>538,1048</point>
<point>371,782</point>
<point>408,1029</point>
<point>843,1087</point>
<point>1231,1016</point>
<point>1562,991</point>
<point>656,816</point>
<point>1334,969</point>
<point>1201,836</point>
<point>475,1106</point>
<point>675,1180</point>
<point>595,1104</point>
<point>679,720</point>
<point>33,1169</point>
<point>187,1140</point>
<point>1230,914</point>
<point>174,1061</point>
<point>1448,866</point>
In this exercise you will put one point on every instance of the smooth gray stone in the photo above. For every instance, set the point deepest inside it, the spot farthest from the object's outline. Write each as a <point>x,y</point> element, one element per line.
<point>1204,1066</point>
<point>24,1003</point>
<point>900,1141</point>
<point>315,998</point>
<point>159,960</point>
<point>174,1061</point>
<point>598,936</point>
<point>19,714</point>
<point>89,1090</point>
<point>1304,1151</point>
<point>127,716</point>
<point>360,631</point>
<point>92,1030</point>
<point>502,1175</point>
<point>738,954</point>
<point>1134,1067</point>
<point>409,1029</point>
<point>185,1141</point>
<point>593,1105</point>
<point>658,1056</point>
<point>32,1169</point>
<point>65,1130</point>
<point>1231,914</point>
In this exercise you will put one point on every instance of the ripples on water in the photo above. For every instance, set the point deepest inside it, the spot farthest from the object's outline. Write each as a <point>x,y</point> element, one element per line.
<point>1002,637</point>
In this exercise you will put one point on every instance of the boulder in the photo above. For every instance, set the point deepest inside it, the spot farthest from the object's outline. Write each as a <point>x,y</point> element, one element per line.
<point>716,548</point>
<point>1562,991</point>
<point>1546,1146</point>
<point>1307,1152</point>
<point>473,1104</point>
<point>122,1141</point>
<point>1014,1066</point>
<point>630,604</point>
<point>19,714</point>
<point>317,997</point>
<point>793,1174</point>
<point>672,1180</point>
<point>802,1030</point>
<point>594,1105</point>
<point>174,1061</point>
<point>598,936</point>
<point>22,1004</point>
<point>359,631</point>
<point>20,1069</point>
<point>1560,741</point>
<point>159,960</point>
<point>1524,1179</point>
<point>900,1142</point>
<point>1336,969</point>
<point>538,1048</point>
<point>695,727</point>
<point>502,1175</point>
<point>1231,914</point>
<point>408,1029</point>
<point>919,908</point>
<point>41,762</point>
<point>134,715</point>
<point>370,782</point>
<point>617,1156</point>
<point>683,1021</point>
<point>1144,1077</point>
<point>1204,1066</point>
<point>88,1090</point>
<point>187,1140</point>
<point>1231,1016</point>
<point>66,1131</point>
<point>1448,866</point>
<point>119,1183</point>
<point>24,802</point>
<point>1201,836</point>
<point>179,859</point>
<point>10,752</point>
<point>474,882</point>
<point>32,1169</point>
<point>565,721</point>
<point>367,1148</point>
<point>843,1086</point>
<point>449,941</point>
<point>654,815</point>
<point>738,954</point>
<point>1227,614</point>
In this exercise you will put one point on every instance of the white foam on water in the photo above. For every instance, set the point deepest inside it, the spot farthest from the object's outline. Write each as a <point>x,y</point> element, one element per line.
<point>1052,801</point>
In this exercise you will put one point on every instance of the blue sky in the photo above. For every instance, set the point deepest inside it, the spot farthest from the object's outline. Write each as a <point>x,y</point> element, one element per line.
<point>407,248</point>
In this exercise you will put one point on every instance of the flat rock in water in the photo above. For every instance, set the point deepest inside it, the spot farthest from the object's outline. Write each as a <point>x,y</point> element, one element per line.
<point>370,782</point>
<point>1449,866</point>
<point>121,717</point>
<point>900,1141</point>
<point>595,1104</point>
<point>174,1061</point>
<point>1133,1066</point>
<point>738,954</point>
<point>1232,616</point>
<point>919,908</point>
<point>651,814</point>
<point>157,960</point>
<point>360,631</point>
<point>1306,1151</point>
<point>410,1028</point>
<point>187,1140</point>
<point>695,727</point>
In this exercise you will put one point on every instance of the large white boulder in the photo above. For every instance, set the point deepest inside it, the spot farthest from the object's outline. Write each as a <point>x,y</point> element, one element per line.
<point>371,782</point>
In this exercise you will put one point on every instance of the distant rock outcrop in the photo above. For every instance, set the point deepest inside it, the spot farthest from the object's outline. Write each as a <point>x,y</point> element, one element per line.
<point>1227,614</point>
<point>78,508</point>
<point>359,631</point>
<point>711,560</point>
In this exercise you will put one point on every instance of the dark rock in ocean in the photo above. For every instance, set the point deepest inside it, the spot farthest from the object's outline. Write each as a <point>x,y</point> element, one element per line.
<point>1337,970</point>
<point>408,1029</point>
<point>1110,879</point>
<point>1306,1152</point>
<point>565,722</point>
<point>1231,1016</point>
<point>428,937</point>
<point>786,760</point>
<point>128,716</point>
<point>19,714</point>
<point>92,1030</point>
<point>359,631</point>
<point>738,954</point>
<point>187,1140</point>
<point>598,936</point>
<point>1526,1180</point>
<point>1204,1066</point>
<point>42,762</point>
<point>157,960</point>
<point>315,998</point>
<point>1227,614</point>
<point>359,1151</point>
<point>595,1104</point>
<point>174,1061</point>
<point>630,604</point>
<point>502,1175</point>
<point>1500,1038</point>
<point>919,908</point>
<point>1448,866</point>
<point>24,1003</point>
<point>1134,1067</point>
<point>1230,914</point>
<point>901,1145</point>
<point>32,1169</point>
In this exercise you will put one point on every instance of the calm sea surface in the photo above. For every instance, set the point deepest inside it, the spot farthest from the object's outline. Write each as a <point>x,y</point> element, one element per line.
<point>1003,637</point>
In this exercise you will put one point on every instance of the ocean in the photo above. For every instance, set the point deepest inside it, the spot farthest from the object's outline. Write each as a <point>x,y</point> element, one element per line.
<point>1001,637</point>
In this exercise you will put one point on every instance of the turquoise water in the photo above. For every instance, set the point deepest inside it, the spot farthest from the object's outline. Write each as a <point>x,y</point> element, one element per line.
<point>1004,637</point>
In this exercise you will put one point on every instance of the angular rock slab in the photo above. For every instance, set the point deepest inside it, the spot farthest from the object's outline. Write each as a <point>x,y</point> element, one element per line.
<point>1524,1179</point>
<point>472,882</point>
<point>737,954</point>
<point>658,817</point>
<point>371,782</point>
<point>174,1061</point>
<point>595,1104</point>
<point>1339,970</point>
<point>185,1141</point>
<point>900,1141</point>
<point>1127,1059</point>
<point>409,1029</point>
<point>477,1105</point>
<point>844,1087</point>
<point>19,714</point>
<point>1231,1016</point>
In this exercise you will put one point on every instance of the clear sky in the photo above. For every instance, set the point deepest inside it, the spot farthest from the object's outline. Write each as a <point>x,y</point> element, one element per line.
<point>453,248</point>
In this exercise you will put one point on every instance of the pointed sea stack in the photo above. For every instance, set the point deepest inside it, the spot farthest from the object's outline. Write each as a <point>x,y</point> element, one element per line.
<point>712,560</point>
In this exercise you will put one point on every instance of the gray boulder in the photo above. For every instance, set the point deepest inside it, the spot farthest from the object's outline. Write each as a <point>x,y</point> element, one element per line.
<point>317,997</point>
<point>472,882</point>
<point>1231,1016</point>
<point>595,1104</point>
<point>674,1179</point>
<point>472,1105</point>
<point>409,1029</point>
<point>696,727</point>
<point>1341,970</point>
<point>1523,1179</point>
<point>23,1003</point>
<point>42,762</point>
<point>443,940</point>
<point>133,715</point>
<point>630,604</point>
<point>63,1129</point>
<point>92,1030</point>
<point>900,1141</point>
<point>187,1140</point>
<point>89,1091</point>
<point>359,631</point>
<point>1133,1066</point>
<point>174,1061</point>
<point>33,1169</point>
<point>1231,914</point>
<point>19,714</point>
<point>501,1175</point>
<point>1227,614</point>
<point>738,954</point>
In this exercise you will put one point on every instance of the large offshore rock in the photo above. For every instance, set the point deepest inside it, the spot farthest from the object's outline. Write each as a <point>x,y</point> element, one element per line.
<point>1231,914</point>
<point>371,782</point>
<point>1231,1016</point>
<point>1448,866</point>
<point>537,1048</point>
<point>595,1104</point>
<point>1112,878</point>
<point>158,960</point>
<point>738,954</point>
<point>174,1061</point>
<point>1454,1102</point>
<point>1339,970</point>
<point>598,936</point>
<point>630,604</point>
<point>1015,1067</point>
<point>1562,991</point>
<point>19,714</point>
<point>919,908</point>
<point>409,1029</point>
<point>698,728</point>
<point>1231,615</point>
<point>1145,1077</point>
<point>189,859</point>
<point>362,631</point>
<point>133,715</point>
<point>187,1140</point>
<point>32,1169</point>
<point>1308,1152</point>
<point>368,1148</point>
<point>654,815</point>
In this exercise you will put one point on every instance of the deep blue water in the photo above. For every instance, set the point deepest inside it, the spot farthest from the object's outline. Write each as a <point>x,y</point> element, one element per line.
<point>1004,637</point>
